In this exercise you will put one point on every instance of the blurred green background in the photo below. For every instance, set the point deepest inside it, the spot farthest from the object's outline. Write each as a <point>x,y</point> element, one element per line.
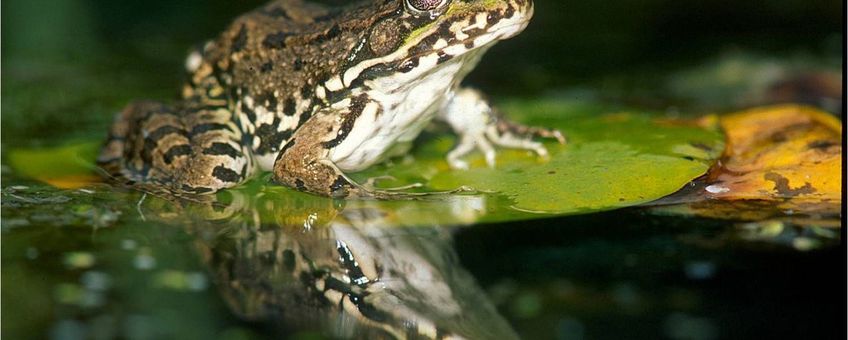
<point>95,55</point>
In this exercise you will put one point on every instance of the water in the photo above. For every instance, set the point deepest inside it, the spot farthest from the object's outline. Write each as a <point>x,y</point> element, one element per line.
<point>93,263</point>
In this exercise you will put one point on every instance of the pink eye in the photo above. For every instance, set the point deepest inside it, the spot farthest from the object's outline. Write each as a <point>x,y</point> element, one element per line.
<point>421,7</point>
<point>424,5</point>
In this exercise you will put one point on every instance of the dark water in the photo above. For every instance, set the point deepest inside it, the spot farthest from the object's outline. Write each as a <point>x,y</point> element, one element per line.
<point>98,262</point>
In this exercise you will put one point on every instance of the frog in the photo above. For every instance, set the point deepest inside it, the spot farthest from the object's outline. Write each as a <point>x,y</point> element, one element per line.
<point>312,92</point>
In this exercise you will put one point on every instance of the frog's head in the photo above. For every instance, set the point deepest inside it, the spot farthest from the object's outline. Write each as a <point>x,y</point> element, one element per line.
<point>415,37</point>
<point>454,26</point>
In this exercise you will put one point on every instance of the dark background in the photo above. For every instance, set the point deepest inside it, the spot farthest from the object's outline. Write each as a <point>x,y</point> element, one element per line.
<point>70,64</point>
<point>567,43</point>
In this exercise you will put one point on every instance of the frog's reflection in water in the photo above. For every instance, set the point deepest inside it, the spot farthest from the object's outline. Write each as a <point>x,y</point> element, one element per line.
<point>343,268</point>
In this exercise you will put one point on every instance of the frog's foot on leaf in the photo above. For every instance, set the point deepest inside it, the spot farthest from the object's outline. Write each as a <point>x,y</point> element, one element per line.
<point>371,183</point>
<point>348,188</point>
<point>481,127</point>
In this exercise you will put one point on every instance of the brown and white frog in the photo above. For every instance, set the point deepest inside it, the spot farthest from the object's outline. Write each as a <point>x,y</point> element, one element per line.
<point>311,92</point>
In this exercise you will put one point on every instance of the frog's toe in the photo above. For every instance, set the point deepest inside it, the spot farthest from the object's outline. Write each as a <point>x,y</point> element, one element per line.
<point>509,140</point>
<point>454,157</point>
<point>467,144</point>
<point>508,129</point>
<point>371,184</point>
<point>486,142</point>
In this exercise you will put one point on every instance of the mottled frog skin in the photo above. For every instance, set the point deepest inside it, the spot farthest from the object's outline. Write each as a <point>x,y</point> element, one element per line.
<point>311,92</point>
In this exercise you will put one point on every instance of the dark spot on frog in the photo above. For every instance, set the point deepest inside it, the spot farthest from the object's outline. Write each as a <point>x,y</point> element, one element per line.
<point>203,128</point>
<point>304,117</point>
<point>297,64</point>
<point>443,57</point>
<point>781,185</point>
<point>225,174</point>
<point>552,172</point>
<point>508,12</point>
<point>372,72</point>
<point>425,45</point>
<point>688,158</point>
<point>266,67</point>
<point>251,116</point>
<point>269,100</point>
<point>269,138</point>
<point>240,39</point>
<point>408,65</point>
<point>299,185</point>
<point>163,131</point>
<point>445,31</point>
<point>176,151</point>
<point>339,187</point>
<point>275,40</point>
<point>330,34</point>
<point>305,91</point>
<point>275,141</point>
<point>222,149</point>
<point>289,108</point>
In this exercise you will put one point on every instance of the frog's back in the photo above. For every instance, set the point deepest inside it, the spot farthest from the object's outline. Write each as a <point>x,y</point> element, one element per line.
<point>269,62</point>
<point>285,46</point>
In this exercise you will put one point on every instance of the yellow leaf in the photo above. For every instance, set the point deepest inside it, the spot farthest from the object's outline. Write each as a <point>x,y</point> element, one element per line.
<point>778,153</point>
<point>780,162</point>
<point>67,167</point>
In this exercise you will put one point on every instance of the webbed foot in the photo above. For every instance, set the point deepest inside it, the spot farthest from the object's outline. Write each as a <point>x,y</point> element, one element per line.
<point>481,128</point>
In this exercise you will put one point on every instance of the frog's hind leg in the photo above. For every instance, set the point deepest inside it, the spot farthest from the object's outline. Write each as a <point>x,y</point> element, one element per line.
<point>181,150</point>
<point>480,127</point>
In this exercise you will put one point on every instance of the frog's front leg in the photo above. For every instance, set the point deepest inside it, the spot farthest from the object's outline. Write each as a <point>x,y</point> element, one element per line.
<point>304,163</point>
<point>479,126</point>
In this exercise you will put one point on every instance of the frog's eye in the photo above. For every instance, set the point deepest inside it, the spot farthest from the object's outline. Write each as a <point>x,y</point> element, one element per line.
<point>426,7</point>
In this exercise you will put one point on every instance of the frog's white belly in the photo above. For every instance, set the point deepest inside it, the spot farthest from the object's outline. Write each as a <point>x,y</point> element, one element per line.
<point>403,105</point>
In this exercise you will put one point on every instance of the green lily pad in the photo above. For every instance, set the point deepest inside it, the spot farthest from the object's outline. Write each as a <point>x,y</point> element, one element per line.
<point>612,159</point>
